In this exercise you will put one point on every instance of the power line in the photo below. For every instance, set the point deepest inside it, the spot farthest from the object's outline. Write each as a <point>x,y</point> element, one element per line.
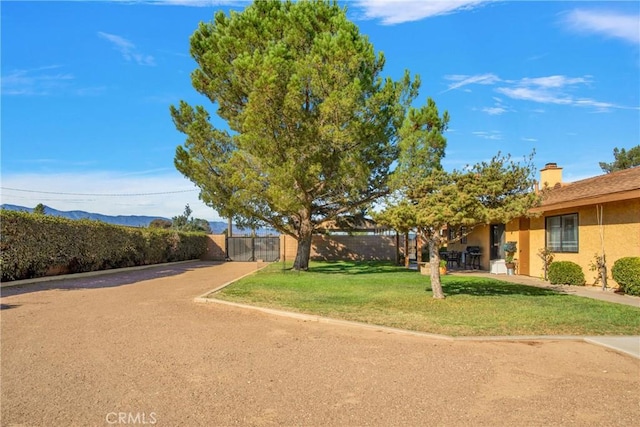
<point>98,194</point>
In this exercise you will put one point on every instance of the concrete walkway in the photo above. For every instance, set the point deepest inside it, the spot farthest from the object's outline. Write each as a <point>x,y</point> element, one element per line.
<point>594,292</point>
<point>628,344</point>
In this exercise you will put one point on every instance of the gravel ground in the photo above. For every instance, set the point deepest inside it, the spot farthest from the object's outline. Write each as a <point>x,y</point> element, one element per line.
<point>133,348</point>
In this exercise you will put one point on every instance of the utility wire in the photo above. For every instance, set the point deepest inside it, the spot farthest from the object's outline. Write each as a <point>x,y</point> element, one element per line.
<point>99,195</point>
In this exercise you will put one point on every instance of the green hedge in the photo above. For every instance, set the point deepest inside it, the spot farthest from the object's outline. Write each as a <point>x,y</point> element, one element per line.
<point>31,245</point>
<point>626,271</point>
<point>566,273</point>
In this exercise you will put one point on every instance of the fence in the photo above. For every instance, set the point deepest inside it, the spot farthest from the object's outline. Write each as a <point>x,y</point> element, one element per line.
<point>323,247</point>
<point>253,248</point>
<point>221,248</point>
<point>357,248</point>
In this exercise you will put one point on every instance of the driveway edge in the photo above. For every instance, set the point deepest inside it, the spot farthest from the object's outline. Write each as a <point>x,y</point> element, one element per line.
<point>89,274</point>
<point>620,344</point>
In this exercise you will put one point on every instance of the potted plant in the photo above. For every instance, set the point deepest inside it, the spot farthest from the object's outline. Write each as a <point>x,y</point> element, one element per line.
<point>443,267</point>
<point>424,268</point>
<point>510,249</point>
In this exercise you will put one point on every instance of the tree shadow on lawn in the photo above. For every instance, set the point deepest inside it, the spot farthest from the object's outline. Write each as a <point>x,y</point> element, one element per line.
<point>451,286</point>
<point>487,287</point>
<point>361,267</point>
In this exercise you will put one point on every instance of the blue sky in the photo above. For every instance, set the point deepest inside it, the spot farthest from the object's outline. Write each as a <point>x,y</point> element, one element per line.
<point>86,89</point>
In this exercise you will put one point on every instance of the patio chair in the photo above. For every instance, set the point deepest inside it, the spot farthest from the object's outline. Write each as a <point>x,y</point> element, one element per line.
<point>454,257</point>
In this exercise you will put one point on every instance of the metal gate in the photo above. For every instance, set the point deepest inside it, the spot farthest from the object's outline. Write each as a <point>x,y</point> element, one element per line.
<point>253,248</point>
<point>413,249</point>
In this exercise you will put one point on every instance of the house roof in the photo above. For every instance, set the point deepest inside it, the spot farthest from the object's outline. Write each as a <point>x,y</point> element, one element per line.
<point>615,186</point>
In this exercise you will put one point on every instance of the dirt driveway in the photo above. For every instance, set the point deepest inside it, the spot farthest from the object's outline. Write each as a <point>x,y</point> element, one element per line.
<point>134,349</point>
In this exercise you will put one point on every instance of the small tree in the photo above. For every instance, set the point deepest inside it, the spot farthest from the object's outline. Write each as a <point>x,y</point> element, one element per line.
<point>160,223</point>
<point>546,255</point>
<point>599,265</point>
<point>489,192</point>
<point>180,222</point>
<point>39,209</point>
<point>623,159</point>
<point>184,222</point>
<point>400,216</point>
<point>495,191</point>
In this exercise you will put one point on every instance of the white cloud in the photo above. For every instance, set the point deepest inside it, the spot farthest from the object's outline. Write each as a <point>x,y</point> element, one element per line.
<point>494,111</point>
<point>35,82</point>
<point>609,24</point>
<point>554,81</point>
<point>461,80</point>
<point>494,135</point>
<point>530,139</point>
<point>392,12</point>
<point>189,3</point>
<point>554,89</point>
<point>138,193</point>
<point>44,81</point>
<point>536,57</point>
<point>128,49</point>
<point>534,94</point>
<point>196,3</point>
<point>498,108</point>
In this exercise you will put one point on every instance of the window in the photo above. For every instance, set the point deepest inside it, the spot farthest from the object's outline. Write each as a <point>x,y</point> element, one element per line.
<point>562,233</point>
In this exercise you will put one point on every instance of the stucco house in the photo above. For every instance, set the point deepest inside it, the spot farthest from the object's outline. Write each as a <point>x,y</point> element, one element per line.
<point>575,221</point>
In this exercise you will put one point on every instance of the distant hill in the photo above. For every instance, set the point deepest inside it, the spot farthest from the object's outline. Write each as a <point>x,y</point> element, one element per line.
<point>217,227</point>
<point>128,220</point>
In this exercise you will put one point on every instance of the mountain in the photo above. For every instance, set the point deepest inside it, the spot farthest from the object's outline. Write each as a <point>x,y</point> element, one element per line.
<point>217,227</point>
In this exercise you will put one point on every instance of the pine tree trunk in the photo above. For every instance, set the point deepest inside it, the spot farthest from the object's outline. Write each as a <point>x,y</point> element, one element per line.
<point>303,253</point>
<point>406,250</point>
<point>434,262</point>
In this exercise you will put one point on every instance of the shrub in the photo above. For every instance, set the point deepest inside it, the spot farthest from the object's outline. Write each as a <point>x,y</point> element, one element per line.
<point>31,245</point>
<point>626,271</point>
<point>566,273</point>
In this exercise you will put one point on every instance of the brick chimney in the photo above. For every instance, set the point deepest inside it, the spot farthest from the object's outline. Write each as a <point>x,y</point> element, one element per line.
<point>550,175</point>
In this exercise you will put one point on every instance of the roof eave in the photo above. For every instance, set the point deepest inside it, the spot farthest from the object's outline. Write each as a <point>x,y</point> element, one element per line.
<point>605,198</point>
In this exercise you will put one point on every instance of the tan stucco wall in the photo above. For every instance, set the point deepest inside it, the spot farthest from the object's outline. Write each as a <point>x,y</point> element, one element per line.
<point>362,248</point>
<point>288,248</point>
<point>343,248</point>
<point>621,233</point>
<point>216,248</point>
<point>479,236</point>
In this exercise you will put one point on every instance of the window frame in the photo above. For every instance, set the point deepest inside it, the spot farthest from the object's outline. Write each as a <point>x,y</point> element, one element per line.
<point>562,248</point>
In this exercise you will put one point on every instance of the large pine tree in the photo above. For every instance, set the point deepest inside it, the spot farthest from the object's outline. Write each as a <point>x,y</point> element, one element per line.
<point>311,124</point>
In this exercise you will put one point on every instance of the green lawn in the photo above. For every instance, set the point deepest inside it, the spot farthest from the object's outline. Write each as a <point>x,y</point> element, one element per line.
<point>384,294</point>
